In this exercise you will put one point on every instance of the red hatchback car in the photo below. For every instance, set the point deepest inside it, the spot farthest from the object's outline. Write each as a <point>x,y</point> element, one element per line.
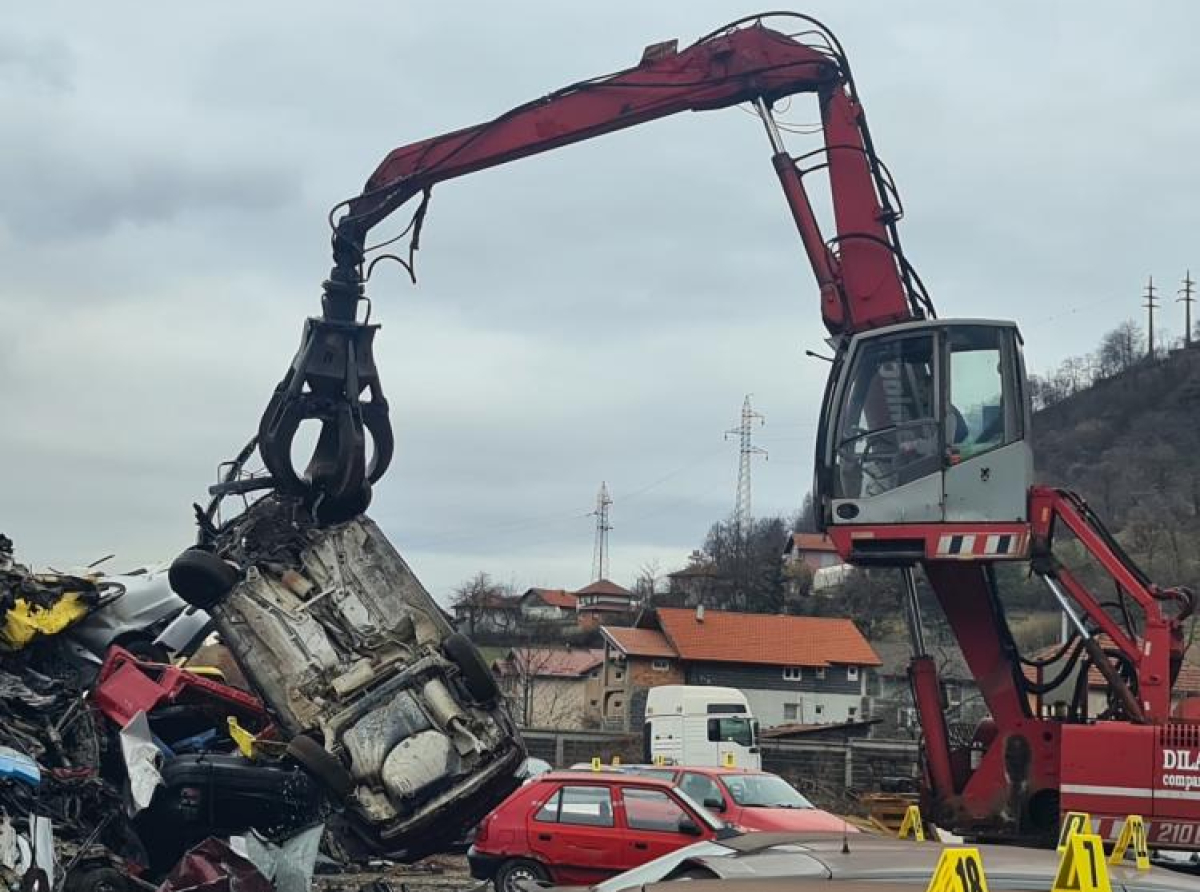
<point>750,799</point>
<point>577,828</point>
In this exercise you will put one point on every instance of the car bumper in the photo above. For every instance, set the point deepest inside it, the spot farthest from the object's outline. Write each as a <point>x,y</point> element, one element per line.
<point>483,866</point>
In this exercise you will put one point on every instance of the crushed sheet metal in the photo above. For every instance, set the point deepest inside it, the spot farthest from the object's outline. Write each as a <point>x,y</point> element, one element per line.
<point>142,759</point>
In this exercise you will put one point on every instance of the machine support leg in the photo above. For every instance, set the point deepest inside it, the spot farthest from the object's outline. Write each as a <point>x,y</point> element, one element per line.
<point>912,612</point>
<point>927,696</point>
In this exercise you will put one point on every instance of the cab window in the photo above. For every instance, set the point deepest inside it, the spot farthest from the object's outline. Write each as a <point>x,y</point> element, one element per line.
<point>738,731</point>
<point>981,414</point>
<point>888,430</point>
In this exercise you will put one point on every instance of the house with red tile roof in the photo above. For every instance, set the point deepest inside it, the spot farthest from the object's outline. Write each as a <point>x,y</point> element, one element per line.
<point>604,602</point>
<point>549,687</point>
<point>792,669</point>
<point>548,604</point>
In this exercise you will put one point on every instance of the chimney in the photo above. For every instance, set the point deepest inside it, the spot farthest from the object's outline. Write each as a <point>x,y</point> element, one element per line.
<point>699,613</point>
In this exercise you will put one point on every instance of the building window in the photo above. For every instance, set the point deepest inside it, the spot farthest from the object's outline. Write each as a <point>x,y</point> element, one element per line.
<point>792,673</point>
<point>851,673</point>
<point>660,665</point>
<point>820,711</point>
<point>791,711</point>
<point>851,713</point>
<point>821,672</point>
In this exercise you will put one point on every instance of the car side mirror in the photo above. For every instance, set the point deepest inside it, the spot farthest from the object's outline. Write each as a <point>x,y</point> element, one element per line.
<point>715,804</point>
<point>688,826</point>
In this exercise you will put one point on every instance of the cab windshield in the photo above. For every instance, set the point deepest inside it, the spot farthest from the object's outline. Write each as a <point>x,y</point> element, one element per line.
<point>888,432</point>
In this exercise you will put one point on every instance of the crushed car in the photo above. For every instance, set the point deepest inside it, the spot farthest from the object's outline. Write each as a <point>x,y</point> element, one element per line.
<point>391,709</point>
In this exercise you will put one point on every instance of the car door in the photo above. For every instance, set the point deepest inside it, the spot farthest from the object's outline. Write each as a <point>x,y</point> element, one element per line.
<point>575,835</point>
<point>652,818</point>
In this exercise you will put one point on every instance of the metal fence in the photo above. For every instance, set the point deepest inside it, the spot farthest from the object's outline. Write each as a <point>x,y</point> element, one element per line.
<point>832,773</point>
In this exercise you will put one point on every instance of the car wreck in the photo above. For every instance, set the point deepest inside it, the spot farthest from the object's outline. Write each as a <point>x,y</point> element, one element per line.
<point>395,713</point>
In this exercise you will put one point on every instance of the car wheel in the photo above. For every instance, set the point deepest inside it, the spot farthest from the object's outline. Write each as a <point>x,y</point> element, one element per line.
<point>321,764</point>
<point>480,682</point>
<point>201,578</point>
<point>518,870</point>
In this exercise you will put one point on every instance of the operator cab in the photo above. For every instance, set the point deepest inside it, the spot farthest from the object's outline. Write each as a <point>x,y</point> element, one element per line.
<point>926,423</point>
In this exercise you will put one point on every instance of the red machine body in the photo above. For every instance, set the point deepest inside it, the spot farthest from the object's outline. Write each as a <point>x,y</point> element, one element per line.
<point>906,478</point>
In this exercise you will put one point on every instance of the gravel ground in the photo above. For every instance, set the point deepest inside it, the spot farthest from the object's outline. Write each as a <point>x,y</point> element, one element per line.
<point>443,872</point>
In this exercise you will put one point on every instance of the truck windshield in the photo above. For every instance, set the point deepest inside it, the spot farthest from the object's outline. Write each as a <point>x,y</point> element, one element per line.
<point>763,791</point>
<point>731,730</point>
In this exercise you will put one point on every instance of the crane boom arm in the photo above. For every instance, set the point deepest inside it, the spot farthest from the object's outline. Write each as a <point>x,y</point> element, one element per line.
<point>861,275</point>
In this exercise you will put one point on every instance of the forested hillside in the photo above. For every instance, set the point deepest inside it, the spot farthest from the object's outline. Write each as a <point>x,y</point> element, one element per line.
<point>1130,444</point>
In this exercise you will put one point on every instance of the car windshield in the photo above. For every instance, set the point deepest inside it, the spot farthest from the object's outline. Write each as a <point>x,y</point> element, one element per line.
<point>763,791</point>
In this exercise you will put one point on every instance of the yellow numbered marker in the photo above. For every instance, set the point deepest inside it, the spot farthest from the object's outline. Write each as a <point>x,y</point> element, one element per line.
<point>912,824</point>
<point>1082,867</point>
<point>660,759</point>
<point>1132,834</point>
<point>728,760</point>
<point>959,870</point>
<point>596,764</point>
<point>1074,822</point>
<point>616,762</point>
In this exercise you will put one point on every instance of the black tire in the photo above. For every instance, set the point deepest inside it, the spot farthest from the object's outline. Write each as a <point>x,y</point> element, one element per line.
<point>516,870</point>
<point>321,764</point>
<point>201,578</point>
<point>479,681</point>
<point>95,879</point>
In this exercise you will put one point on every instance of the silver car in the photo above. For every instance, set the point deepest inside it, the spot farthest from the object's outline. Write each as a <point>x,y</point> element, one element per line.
<point>392,709</point>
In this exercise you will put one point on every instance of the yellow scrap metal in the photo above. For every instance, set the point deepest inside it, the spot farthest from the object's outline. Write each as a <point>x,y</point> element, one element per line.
<point>25,622</point>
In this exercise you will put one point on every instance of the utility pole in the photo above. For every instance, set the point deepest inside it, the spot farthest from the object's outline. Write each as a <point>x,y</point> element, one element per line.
<point>742,516</point>
<point>600,549</point>
<point>1187,300</point>
<point>1151,305</point>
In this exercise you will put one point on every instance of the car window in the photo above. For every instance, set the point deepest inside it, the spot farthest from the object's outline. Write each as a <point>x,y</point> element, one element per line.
<point>702,788</point>
<point>763,791</point>
<point>589,806</point>
<point>652,810</point>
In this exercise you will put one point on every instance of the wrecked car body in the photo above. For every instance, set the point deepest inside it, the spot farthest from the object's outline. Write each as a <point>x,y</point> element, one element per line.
<point>390,708</point>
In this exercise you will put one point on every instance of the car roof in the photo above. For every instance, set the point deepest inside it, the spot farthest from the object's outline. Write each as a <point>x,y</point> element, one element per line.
<point>605,777</point>
<point>698,769</point>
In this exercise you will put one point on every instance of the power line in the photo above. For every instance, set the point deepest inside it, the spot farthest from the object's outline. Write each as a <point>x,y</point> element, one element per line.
<point>1187,300</point>
<point>742,511</point>
<point>600,548</point>
<point>1151,305</point>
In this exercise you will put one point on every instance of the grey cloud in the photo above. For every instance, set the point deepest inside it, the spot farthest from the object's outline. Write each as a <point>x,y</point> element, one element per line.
<point>43,64</point>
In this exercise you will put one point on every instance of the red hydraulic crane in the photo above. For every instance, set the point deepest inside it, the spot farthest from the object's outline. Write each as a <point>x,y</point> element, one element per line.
<point>923,457</point>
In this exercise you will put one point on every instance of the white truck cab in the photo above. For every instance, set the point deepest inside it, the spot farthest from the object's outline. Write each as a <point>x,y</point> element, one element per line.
<point>701,726</point>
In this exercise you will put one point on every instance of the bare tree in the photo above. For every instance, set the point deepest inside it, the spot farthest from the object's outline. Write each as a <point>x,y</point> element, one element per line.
<point>540,693</point>
<point>480,597</point>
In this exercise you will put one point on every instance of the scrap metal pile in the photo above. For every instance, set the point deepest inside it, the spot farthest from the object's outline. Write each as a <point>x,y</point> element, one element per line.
<point>371,727</point>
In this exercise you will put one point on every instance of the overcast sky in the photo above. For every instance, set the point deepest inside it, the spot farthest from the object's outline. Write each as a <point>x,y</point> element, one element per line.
<point>593,314</point>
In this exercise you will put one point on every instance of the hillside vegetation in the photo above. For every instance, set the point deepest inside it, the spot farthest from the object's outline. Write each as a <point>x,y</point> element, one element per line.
<point>1130,445</point>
